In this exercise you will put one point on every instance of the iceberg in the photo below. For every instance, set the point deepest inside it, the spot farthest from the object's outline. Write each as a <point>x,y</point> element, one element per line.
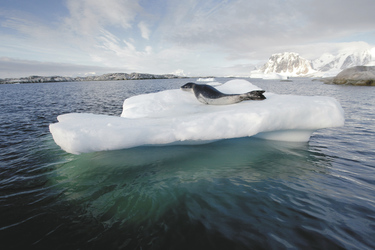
<point>268,76</point>
<point>177,117</point>
<point>208,79</point>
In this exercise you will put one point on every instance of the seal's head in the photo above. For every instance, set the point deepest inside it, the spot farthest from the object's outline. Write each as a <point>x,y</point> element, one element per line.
<point>188,86</point>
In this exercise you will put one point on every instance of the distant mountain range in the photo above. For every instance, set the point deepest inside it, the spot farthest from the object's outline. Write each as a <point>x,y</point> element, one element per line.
<point>290,64</point>
<point>279,66</point>
<point>105,77</point>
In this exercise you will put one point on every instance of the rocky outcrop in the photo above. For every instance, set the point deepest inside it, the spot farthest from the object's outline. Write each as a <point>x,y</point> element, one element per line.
<point>105,77</point>
<point>126,76</point>
<point>359,76</point>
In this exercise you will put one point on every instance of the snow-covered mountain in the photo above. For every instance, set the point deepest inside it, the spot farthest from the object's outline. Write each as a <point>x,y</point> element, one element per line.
<point>287,64</point>
<point>283,65</point>
<point>331,65</point>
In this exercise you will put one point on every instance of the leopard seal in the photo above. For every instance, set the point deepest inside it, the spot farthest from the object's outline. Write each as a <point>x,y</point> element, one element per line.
<point>209,95</point>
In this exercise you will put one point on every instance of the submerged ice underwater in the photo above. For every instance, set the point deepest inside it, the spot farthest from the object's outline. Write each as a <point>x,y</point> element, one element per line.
<point>244,193</point>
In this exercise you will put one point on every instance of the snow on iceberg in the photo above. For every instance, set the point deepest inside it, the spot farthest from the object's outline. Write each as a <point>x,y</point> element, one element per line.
<point>177,117</point>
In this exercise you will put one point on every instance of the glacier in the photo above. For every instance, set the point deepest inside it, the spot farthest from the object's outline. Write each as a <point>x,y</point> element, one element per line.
<point>176,117</point>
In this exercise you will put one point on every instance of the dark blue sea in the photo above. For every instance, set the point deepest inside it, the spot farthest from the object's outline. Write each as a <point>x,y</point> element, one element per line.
<point>243,193</point>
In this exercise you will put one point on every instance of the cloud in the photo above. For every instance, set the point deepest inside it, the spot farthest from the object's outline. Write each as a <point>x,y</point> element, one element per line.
<point>89,16</point>
<point>254,28</point>
<point>10,68</point>
<point>178,72</point>
<point>145,31</point>
<point>33,38</point>
<point>83,35</point>
<point>315,50</point>
<point>198,37</point>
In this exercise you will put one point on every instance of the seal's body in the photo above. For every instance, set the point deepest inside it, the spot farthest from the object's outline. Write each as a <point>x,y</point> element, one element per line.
<point>209,95</point>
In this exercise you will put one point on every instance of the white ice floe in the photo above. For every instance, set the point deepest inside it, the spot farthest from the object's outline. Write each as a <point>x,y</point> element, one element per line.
<point>268,76</point>
<point>208,79</point>
<point>177,117</point>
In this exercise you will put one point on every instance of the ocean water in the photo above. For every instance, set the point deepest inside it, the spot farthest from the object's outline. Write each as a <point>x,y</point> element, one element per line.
<point>243,193</point>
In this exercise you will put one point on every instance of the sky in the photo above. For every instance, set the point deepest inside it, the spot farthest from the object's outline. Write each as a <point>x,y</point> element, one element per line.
<point>190,37</point>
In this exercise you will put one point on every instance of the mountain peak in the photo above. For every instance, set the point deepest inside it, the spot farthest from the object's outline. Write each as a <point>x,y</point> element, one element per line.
<point>287,63</point>
<point>327,65</point>
<point>345,59</point>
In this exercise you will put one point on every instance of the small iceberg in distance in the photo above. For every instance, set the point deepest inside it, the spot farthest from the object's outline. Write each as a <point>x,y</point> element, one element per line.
<point>269,76</point>
<point>206,79</point>
<point>176,117</point>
